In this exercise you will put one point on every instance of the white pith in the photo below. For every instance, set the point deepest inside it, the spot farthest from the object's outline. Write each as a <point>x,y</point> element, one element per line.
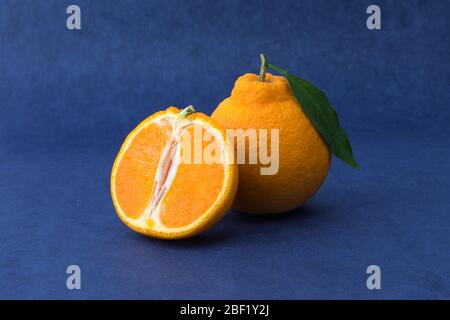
<point>153,209</point>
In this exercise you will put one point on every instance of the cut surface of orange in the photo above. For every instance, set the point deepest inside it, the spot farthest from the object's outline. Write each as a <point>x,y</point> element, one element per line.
<point>174,176</point>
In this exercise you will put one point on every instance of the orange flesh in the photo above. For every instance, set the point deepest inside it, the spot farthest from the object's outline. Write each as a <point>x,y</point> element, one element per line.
<point>193,191</point>
<point>181,199</point>
<point>134,181</point>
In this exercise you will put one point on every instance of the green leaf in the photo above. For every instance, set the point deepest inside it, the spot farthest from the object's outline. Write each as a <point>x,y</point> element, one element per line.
<point>318,109</point>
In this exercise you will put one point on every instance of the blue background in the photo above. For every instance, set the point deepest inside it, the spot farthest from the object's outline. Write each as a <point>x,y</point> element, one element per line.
<point>68,99</point>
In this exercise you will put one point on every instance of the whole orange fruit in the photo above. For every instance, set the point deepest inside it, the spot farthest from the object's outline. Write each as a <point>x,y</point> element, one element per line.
<point>304,158</point>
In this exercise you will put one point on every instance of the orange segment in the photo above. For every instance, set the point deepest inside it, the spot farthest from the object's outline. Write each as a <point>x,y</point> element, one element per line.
<point>134,180</point>
<point>174,176</point>
<point>202,183</point>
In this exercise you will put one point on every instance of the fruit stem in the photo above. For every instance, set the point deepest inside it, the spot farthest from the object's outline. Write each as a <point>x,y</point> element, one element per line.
<point>262,71</point>
<point>187,111</point>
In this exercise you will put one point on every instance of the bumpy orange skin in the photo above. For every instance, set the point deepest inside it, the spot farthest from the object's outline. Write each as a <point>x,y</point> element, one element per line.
<point>304,158</point>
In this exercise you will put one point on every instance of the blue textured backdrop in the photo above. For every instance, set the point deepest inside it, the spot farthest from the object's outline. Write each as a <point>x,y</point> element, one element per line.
<point>68,99</point>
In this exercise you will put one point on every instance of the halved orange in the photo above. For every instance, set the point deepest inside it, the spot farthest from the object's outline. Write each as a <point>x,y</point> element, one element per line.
<point>168,183</point>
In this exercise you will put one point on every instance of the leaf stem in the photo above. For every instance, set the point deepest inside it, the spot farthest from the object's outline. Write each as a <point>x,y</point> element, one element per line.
<point>263,70</point>
<point>187,111</point>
